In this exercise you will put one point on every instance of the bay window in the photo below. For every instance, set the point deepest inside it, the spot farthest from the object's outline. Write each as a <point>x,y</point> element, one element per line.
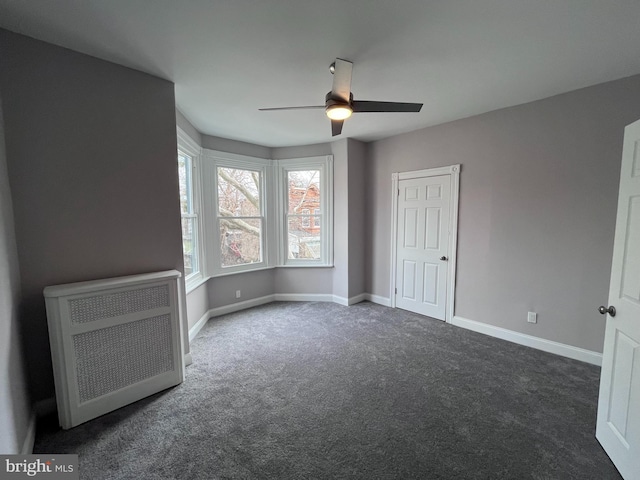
<point>261,213</point>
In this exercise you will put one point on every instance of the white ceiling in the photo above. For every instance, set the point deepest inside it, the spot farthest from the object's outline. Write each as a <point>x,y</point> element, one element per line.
<point>459,57</point>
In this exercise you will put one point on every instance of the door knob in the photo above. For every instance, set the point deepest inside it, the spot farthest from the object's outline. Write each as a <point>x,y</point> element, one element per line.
<point>604,310</point>
<point>443,258</point>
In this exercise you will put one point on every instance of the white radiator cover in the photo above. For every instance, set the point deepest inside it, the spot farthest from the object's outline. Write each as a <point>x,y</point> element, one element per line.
<point>113,342</point>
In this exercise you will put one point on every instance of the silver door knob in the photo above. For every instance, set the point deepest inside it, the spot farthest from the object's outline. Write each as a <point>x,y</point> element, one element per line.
<point>604,310</point>
<point>443,258</point>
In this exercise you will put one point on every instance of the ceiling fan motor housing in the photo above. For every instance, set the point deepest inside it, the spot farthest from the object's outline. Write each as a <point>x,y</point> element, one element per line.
<point>337,108</point>
<point>330,100</point>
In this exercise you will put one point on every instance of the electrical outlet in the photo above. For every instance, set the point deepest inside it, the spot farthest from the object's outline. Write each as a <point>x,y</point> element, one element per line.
<point>238,294</point>
<point>532,317</point>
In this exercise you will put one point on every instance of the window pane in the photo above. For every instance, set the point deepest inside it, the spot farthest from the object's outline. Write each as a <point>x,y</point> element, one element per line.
<point>304,190</point>
<point>184,178</point>
<point>240,241</point>
<point>303,242</point>
<point>306,221</point>
<point>238,192</point>
<point>189,219</point>
<point>189,227</point>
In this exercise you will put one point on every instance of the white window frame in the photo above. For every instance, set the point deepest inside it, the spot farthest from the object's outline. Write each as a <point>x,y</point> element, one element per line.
<point>211,160</point>
<point>325,165</point>
<point>189,147</point>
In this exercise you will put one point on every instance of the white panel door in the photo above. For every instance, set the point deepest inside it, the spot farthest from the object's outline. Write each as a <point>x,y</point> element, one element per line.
<point>422,245</point>
<point>618,424</point>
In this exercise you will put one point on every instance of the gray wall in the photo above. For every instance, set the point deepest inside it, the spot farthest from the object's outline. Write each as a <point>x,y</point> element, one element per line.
<point>234,146</point>
<point>356,225</point>
<point>315,150</point>
<point>341,218</point>
<point>197,304</point>
<point>349,210</point>
<point>222,290</point>
<point>538,200</point>
<point>188,128</point>
<point>15,407</point>
<point>304,280</point>
<point>91,151</point>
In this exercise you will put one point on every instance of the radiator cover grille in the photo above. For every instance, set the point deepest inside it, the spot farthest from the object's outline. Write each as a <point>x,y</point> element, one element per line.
<point>98,307</point>
<point>115,357</point>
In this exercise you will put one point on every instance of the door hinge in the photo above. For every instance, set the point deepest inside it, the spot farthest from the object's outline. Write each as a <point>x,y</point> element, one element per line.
<point>396,291</point>
<point>398,192</point>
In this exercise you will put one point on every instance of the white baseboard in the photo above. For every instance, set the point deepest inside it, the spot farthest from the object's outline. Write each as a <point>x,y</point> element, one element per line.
<point>349,301</point>
<point>188,359</point>
<point>233,307</point>
<point>193,331</point>
<point>236,307</point>
<point>377,299</point>
<point>340,300</point>
<point>550,346</point>
<point>277,297</point>
<point>218,311</point>
<point>557,348</point>
<point>280,297</point>
<point>357,299</point>
<point>303,297</point>
<point>30,437</point>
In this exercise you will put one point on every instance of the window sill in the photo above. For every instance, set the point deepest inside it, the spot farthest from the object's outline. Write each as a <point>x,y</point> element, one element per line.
<point>194,282</point>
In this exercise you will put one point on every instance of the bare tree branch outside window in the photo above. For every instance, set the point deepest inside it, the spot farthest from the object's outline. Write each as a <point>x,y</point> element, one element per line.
<point>240,216</point>
<point>241,219</point>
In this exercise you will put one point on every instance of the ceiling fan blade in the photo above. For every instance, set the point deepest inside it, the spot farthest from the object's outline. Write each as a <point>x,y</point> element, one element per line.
<point>367,106</point>
<point>336,127</point>
<point>342,79</point>
<point>306,107</point>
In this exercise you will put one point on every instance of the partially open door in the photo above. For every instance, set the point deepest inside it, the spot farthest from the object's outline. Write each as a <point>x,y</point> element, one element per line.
<point>618,424</point>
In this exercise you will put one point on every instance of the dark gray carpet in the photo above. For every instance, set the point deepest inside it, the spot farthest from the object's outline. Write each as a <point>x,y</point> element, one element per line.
<point>317,390</point>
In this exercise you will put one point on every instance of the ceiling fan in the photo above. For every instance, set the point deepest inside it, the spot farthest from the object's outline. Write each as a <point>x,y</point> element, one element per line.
<point>339,102</point>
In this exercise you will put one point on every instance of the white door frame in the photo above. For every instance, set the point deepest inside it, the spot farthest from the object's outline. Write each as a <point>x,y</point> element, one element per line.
<point>454,172</point>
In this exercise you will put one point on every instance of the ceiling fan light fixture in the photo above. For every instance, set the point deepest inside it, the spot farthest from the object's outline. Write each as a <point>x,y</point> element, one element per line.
<point>339,103</point>
<point>339,112</point>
